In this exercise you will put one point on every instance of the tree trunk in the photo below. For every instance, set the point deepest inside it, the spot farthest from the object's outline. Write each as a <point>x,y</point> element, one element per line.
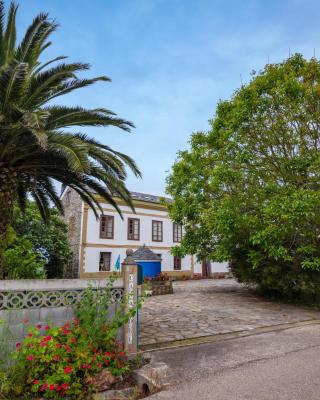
<point>8,185</point>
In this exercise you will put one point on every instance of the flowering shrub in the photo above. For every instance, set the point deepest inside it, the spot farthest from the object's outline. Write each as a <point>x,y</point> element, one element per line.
<point>57,362</point>
<point>60,362</point>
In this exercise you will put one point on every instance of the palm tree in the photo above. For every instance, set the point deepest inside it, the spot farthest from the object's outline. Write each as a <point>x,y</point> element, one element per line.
<point>35,147</point>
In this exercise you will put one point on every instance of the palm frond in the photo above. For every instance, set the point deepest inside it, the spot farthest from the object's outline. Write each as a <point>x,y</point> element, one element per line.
<point>49,189</point>
<point>128,161</point>
<point>73,150</point>
<point>44,83</point>
<point>35,38</point>
<point>65,87</point>
<point>79,116</point>
<point>45,65</point>
<point>10,34</point>
<point>42,200</point>
<point>2,28</point>
<point>12,84</point>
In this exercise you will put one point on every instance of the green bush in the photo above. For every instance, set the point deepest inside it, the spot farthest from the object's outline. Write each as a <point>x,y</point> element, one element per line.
<point>21,261</point>
<point>49,240</point>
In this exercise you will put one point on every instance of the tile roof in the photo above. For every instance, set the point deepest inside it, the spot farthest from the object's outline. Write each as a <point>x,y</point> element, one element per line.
<point>143,253</point>
<point>150,198</point>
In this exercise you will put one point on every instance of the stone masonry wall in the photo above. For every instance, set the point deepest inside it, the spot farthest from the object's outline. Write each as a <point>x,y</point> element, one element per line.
<point>72,205</point>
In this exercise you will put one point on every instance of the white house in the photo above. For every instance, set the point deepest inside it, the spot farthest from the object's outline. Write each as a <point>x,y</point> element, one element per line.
<point>98,243</point>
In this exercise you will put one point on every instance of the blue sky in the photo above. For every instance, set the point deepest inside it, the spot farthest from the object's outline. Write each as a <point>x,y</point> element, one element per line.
<point>170,62</point>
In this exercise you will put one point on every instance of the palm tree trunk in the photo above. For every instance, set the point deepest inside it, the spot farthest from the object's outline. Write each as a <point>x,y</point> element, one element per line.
<point>7,192</point>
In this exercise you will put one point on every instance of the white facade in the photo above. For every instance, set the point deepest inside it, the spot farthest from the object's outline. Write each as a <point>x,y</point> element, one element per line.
<point>118,245</point>
<point>92,245</point>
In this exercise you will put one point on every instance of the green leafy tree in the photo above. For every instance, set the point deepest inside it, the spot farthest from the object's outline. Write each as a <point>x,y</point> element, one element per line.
<point>21,261</point>
<point>49,240</point>
<point>248,190</point>
<point>35,145</point>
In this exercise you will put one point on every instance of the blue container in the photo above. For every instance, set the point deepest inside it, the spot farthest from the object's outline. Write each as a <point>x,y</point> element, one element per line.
<point>150,268</point>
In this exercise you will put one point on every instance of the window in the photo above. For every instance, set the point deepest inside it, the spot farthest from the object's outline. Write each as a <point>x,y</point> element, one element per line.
<point>177,263</point>
<point>177,232</point>
<point>133,229</point>
<point>106,226</point>
<point>105,261</point>
<point>157,231</point>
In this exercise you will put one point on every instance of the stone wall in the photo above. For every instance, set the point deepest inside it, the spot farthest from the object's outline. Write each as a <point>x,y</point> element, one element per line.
<point>25,303</point>
<point>72,205</point>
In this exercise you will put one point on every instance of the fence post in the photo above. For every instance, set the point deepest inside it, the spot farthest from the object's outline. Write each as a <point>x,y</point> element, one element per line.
<point>130,270</point>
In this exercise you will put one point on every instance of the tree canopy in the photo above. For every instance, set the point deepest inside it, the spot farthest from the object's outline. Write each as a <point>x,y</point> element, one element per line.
<point>36,249</point>
<point>248,189</point>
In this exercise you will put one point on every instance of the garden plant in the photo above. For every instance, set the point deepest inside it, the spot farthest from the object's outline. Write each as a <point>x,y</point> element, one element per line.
<point>54,362</point>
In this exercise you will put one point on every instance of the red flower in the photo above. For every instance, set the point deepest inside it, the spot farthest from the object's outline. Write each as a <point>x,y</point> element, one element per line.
<point>30,358</point>
<point>58,345</point>
<point>106,362</point>
<point>68,348</point>
<point>58,388</point>
<point>46,328</point>
<point>107,354</point>
<point>56,358</point>
<point>99,353</point>
<point>99,365</point>
<point>67,370</point>
<point>39,326</point>
<point>36,382</point>
<point>43,387</point>
<point>64,386</point>
<point>76,321</point>
<point>29,334</point>
<point>83,366</point>
<point>121,353</point>
<point>43,344</point>
<point>52,386</point>
<point>72,340</point>
<point>47,338</point>
<point>18,345</point>
<point>88,366</point>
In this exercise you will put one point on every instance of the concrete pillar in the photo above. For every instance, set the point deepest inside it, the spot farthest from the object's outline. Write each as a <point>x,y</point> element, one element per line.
<point>130,271</point>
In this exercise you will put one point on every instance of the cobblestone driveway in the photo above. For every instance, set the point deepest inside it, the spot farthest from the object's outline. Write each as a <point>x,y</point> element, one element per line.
<point>208,307</point>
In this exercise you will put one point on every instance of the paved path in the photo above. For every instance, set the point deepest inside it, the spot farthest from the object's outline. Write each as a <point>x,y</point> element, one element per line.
<point>282,365</point>
<point>208,307</point>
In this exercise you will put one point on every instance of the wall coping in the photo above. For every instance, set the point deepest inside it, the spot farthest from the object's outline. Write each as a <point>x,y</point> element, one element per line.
<point>55,284</point>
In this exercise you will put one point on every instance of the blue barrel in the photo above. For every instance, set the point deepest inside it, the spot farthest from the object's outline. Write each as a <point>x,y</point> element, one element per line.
<point>150,268</point>
<point>140,274</point>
